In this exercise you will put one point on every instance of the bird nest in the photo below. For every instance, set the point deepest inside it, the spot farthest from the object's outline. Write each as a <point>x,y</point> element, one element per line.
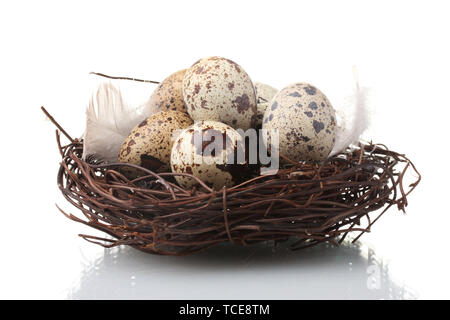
<point>307,203</point>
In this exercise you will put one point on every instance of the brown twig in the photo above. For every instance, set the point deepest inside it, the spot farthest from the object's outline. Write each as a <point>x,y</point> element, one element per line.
<point>49,116</point>
<point>123,78</point>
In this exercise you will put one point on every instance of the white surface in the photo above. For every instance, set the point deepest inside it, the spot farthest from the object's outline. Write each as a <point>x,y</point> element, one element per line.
<point>401,50</point>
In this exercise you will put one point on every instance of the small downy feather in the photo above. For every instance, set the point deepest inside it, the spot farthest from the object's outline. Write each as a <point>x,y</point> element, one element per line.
<point>353,118</point>
<point>109,120</point>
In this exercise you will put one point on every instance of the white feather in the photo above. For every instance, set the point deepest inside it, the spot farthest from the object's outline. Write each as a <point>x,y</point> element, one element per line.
<point>108,122</point>
<point>353,118</point>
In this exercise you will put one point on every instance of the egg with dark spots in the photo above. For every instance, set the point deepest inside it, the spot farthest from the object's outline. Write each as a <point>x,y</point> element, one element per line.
<point>264,94</point>
<point>150,142</point>
<point>218,89</point>
<point>305,120</point>
<point>196,152</point>
<point>168,95</point>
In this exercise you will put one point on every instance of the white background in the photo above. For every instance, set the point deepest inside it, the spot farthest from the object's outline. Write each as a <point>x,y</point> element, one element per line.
<point>47,49</point>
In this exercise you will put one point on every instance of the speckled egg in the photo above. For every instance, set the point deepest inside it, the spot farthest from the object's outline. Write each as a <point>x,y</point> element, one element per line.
<point>195,153</point>
<point>168,95</point>
<point>150,143</point>
<point>264,94</point>
<point>305,120</point>
<point>219,89</point>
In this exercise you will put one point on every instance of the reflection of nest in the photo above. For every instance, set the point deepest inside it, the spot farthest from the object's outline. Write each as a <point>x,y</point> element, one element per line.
<point>311,203</point>
<point>356,272</point>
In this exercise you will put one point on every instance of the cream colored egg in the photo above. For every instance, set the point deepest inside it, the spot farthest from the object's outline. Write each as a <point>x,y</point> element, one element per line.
<point>196,153</point>
<point>150,143</point>
<point>219,89</point>
<point>305,120</point>
<point>168,95</point>
<point>264,93</point>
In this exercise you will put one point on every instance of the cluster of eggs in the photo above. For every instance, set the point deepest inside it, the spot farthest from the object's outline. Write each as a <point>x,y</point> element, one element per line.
<point>211,100</point>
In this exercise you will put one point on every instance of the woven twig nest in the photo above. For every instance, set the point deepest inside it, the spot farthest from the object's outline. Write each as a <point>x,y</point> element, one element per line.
<point>304,202</point>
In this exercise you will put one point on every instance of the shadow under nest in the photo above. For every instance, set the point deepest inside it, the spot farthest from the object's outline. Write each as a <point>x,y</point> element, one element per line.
<point>305,203</point>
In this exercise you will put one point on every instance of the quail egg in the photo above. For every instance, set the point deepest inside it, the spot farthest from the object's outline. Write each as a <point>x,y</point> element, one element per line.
<point>306,122</point>
<point>219,89</point>
<point>264,93</point>
<point>210,151</point>
<point>150,143</point>
<point>167,96</point>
